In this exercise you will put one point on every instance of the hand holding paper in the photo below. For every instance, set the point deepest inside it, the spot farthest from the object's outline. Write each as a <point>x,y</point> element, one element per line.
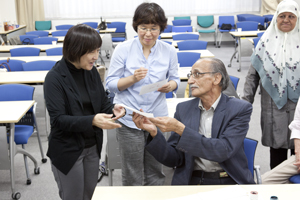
<point>152,87</point>
<point>149,115</point>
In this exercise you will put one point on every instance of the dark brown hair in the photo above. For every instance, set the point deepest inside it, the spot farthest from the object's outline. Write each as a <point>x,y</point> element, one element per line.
<point>79,40</point>
<point>149,13</point>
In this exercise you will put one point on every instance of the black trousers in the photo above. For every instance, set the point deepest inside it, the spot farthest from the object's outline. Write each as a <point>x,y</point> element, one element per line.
<point>277,156</point>
<point>212,181</point>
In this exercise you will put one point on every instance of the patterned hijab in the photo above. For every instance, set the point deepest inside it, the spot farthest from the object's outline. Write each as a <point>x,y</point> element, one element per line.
<point>277,58</point>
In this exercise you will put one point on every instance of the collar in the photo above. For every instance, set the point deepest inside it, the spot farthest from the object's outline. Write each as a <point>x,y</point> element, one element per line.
<point>141,46</point>
<point>213,107</point>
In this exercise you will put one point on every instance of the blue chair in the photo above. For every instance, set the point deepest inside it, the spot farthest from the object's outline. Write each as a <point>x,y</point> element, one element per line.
<point>44,40</point>
<point>25,51</point>
<point>27,125</point>
<point>40,65</point>
<point>120,34</point>
<point>235,81</point>
<point>91,24</point>
<point>27,39</point>
<point>295,179</point>
<point>247,25</point>
<point>260,34</point>
<point>255,41</point>
<point>169,42</point>
<point>182,22</point>
<point>192,45</point>
<point>224,20</point>
<point>242,17</point>
<point>63,27</point>
<point>187,59</point>
<point>42,25</point>
<point>182,29</point>
<point>205,22</point>
<point>59,33</point>
<point>57,51</point>
<point>183,17</point>
<point>250,148</point>
<point>259,19</point>
<point>185,36</point>
<point>39,33</point>
<point>168,29</point>
<point>14,65</point>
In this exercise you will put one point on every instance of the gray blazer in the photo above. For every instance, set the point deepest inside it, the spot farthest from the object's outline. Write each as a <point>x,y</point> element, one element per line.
<point>229,128</point>
<point>274,122</point>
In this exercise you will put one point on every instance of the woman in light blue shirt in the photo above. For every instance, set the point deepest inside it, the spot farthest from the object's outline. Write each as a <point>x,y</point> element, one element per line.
<point>137,62</point>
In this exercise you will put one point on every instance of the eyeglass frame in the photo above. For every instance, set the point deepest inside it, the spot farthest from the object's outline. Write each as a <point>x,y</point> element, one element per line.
<point>145,30</point>
<point>198,74</point>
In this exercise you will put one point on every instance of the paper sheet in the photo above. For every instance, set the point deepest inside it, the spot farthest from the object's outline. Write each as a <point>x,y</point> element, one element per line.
<point>149,115</point>
<point>152,87</point>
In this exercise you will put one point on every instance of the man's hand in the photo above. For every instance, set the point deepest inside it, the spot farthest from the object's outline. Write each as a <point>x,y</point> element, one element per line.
<point>167,124</point>
<point>144,123</point>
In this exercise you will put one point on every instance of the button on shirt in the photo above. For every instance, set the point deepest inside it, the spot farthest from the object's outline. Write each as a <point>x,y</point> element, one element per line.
<point>205,129</point>
<point>162,63</point>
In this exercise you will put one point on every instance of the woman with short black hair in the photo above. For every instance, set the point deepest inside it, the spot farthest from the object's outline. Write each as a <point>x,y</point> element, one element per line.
<point>79,109</point>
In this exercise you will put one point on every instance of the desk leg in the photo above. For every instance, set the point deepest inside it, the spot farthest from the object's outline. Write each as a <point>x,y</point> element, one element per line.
<point>240,51</point>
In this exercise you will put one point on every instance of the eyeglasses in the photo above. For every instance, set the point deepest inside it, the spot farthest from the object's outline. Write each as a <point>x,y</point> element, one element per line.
<point>197,74</point>
<point>152,30</point>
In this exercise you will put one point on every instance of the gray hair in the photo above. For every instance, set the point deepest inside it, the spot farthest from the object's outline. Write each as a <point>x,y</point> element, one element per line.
<point>216,65</point>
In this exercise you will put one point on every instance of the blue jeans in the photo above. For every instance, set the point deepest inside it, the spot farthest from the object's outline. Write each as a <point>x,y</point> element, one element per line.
<point>139,167</point>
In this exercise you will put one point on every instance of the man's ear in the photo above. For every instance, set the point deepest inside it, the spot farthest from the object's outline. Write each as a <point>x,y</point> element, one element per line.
<point>218,78</point>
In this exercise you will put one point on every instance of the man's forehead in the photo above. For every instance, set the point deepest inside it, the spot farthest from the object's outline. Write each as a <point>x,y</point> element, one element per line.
<point>201,65</point>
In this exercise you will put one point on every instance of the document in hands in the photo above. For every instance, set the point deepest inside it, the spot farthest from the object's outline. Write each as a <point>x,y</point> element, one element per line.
<point>149,115</point>
<point>152,87</point>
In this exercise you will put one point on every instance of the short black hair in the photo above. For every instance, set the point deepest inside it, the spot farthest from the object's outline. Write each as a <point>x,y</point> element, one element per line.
<point>149,13</point>
<point>79,40</point>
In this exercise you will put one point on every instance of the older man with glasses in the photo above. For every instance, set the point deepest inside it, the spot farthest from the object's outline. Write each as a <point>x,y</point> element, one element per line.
<point>206,144</point>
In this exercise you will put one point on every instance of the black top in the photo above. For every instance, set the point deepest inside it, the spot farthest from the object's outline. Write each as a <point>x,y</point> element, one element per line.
<point>68,121</point>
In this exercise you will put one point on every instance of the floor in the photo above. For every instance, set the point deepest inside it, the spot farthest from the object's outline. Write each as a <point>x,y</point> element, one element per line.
<point>43,185</point>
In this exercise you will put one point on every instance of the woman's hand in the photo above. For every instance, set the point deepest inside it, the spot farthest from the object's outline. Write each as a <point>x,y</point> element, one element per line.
<point>144,123</point>
<point>105,121</point>
<point>140,74</point>
<point>168,87</point>
<point>119,111</point>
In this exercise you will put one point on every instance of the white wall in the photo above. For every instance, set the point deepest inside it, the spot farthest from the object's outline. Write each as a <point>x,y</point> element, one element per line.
<point>8,11</point>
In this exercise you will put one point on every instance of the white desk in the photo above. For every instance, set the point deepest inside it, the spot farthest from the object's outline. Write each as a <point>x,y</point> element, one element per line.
<point>107,30</point>
<point>239,35</point>
<point>6,35</point>
<point>283,192</point>
<point>6,49</point>
<point>12,112</point>
<point>23,77</point>
<point>35,58</point>
<point>203,53</point>
<point>170,35</point>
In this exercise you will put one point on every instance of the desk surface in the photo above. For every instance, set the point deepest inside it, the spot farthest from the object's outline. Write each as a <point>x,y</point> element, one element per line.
<point>23,77</point>
<point>203,53</point>
<point>283,192</point>
<point>170,35</point>
<point>5,49</point>
<point>10,31</point>
<point>108,30</point>
<point>245,33</point>
<point>13,111</point>
<point>35,58</point>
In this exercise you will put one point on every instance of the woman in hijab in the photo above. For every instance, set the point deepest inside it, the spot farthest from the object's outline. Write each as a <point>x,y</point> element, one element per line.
<point>275,66</point>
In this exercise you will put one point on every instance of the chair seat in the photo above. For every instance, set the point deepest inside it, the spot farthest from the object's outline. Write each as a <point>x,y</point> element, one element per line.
<point>226,30</point>
<point>22,133</point>
<point>116,39</point>
<point>295,179</point>
<point>207,31</point>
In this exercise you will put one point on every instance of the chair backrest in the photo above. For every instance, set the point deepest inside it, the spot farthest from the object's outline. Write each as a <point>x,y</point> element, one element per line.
<point>57,51</point>
<point>295,179</point>
<point>242,17</point>
<point>205,21</point>
<point>255,41</point>
<point>268,18</point>
<point>226,20</point>
<point>44,40</point>
<point>39,33</point>
<point>235,81</point>
<point>260,34</point>
<point>185,36</point>
<point>14,65</point>
<point>40,65</point>
<point>258,19</point>
<point>182,29</point>
<point>59,33</point>
<point>42,25</point>
<point>183,17</point>
<point>182,22</point>
<point>91,24</point>
<point>168,29</point>
<point>25,51</point>
<point>247,25</point>
<point>16,92</point>
<point>27,39</point>
<point>120,26</point>
<point>192,45</point>
<point>250,148</point>
<point>63,27</point>
<point>187,59</point>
